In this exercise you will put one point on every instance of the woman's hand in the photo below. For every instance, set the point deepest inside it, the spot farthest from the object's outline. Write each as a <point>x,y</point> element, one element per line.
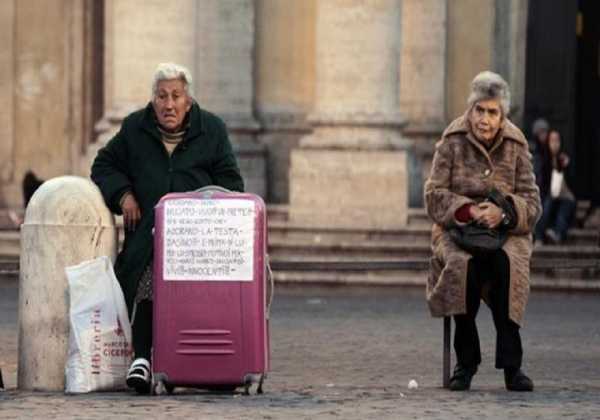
<point>487,214</point>
<point>564,160</point>
<point>131,211</point>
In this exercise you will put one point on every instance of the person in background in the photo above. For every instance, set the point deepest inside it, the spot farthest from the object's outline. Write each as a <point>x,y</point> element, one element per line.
<point>479,151</point>
<point>540,152</point>
<point>171,145</point>
<point>29,186</point>
<point>559,204</point>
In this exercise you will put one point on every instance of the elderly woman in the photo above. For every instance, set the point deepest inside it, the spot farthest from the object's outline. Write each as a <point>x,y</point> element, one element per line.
<point>171,145</point>
<point>479,151</point>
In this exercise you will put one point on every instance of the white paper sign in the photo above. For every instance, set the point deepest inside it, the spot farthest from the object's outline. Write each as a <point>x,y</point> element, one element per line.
<point>209,240</point>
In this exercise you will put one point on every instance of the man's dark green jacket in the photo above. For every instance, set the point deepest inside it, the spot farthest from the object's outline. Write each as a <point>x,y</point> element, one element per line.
<point>136,160</point>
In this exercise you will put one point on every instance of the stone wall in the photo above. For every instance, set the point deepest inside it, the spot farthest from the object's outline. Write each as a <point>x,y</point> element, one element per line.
<point>286,76</point>
<point>41,88</point>
<point>284,83</point>
<point>351,171</point>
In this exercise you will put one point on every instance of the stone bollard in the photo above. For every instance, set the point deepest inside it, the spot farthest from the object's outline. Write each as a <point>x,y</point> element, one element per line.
<point>66,222</point>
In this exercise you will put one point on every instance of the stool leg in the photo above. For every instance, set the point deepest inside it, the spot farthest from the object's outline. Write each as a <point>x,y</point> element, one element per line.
<point>1,382</point>
<point>446,357</point>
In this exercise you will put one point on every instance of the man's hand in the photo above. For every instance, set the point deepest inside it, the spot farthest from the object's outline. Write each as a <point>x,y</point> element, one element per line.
<point>131,211</point>
<point>487,214</point>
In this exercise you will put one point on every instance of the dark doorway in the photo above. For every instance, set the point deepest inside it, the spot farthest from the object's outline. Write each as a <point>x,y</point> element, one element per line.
<point>562,82</point>
<point>97,60</point>
<point>587,98</point>
<point>93,69</point>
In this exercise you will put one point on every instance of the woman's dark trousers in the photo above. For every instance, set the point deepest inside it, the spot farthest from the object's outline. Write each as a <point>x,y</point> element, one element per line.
<point>493,272</point>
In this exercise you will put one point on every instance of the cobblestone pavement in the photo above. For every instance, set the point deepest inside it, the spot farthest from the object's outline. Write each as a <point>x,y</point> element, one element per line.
<point>350,353</point>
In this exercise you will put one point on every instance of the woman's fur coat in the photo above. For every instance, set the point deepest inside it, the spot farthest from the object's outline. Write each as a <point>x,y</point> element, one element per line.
<point>464,171</point>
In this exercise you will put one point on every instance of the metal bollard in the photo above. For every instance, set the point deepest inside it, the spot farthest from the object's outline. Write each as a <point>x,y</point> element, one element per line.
<point>66,222</point>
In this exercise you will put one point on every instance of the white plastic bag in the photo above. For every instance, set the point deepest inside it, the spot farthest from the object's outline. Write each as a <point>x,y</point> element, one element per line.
<point>100,337</point>
<point>556,183</point>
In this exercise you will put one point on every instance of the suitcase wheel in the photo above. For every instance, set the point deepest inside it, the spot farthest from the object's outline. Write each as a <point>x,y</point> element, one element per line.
<point>160,386</point>
<point>254,378</point>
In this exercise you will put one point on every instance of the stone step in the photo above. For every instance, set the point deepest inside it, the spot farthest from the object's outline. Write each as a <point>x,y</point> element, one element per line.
<point>561,274</point>
<point>282,231</point>
<point>277,212</point>
<point>538,281</point>
<point>406,243</point>
<point>412,234</point>
<point>546,268</point>
<point>378,250</point>
<point>10,243</point>
<point>346,250</point>
<point>418,217</point>
<point>9,267</point>
<point>557,274</point>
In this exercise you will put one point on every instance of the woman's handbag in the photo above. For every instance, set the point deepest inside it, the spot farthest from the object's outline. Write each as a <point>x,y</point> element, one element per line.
<point>478,239</point>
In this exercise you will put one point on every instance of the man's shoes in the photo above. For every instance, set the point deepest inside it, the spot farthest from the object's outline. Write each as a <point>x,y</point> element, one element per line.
<point>516,380</point>
<point>139,376</point>
<point>461,379</point>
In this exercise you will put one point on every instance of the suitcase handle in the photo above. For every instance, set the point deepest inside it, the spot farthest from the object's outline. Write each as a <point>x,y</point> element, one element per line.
<point>272,288</point>
<point>212,188</point>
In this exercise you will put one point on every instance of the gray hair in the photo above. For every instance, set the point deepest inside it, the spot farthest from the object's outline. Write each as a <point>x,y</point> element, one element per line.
<point>488,85</point>
<point>539,125</point>
<point>170,71</point>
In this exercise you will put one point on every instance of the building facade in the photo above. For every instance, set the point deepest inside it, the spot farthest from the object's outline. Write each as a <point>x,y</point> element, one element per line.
<point>333,105</point>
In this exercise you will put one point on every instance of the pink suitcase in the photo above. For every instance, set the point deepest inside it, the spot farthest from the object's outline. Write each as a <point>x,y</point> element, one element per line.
<point>210,321</point>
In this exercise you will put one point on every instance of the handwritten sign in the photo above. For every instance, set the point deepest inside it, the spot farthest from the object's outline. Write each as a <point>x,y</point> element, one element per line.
<point>209,240</point>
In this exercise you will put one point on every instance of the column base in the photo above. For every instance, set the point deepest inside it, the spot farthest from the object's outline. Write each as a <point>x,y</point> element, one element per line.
<point>349,188</point>
<point>252,160</point>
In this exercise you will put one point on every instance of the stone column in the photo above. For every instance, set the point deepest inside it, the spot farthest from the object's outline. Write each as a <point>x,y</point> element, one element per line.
<point>7,101</point>
<point>42,91</point>
<point>423,84</point>
<point>139,34</point>
<point>224,83</point>
<point>423,65</point>
<point>284,83</point>
<point>467,54</point>
<point>352,172</point>
<point>508,46</point>
<point>516,62</point>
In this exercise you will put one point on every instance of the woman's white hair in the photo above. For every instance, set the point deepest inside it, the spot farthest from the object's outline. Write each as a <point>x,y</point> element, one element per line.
<point>170,71</point>
<point>488,85</point>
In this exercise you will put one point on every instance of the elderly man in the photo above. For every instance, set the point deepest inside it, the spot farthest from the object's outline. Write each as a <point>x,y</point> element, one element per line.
<point>171,145</point>
<point>480,151</point>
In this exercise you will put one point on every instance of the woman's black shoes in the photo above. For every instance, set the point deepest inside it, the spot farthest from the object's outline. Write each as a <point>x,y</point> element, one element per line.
<point>516,380</point>
<point>461,379</point>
